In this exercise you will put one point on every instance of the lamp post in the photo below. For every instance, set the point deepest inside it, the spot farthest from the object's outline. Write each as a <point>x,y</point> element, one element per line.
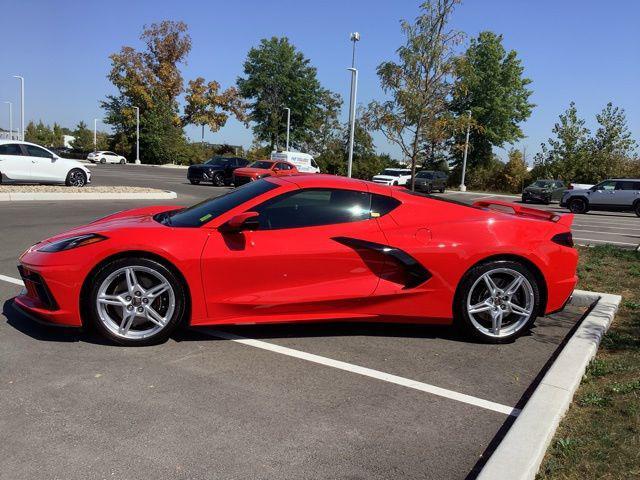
<point>355,37</point>
<point>21,106</point>
<point>10,120</point>
<point>137,135</point>
<point>288,126</point>
<point>95,134</point>
<point>463,187</point>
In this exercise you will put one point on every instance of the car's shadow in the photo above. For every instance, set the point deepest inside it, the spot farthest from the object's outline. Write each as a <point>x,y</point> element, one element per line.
<point>334,328</point>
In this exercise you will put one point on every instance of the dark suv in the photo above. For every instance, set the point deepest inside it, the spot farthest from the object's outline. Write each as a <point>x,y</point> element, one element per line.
<point>217,170</point>
<point>429,180</point>
<point>545,191</point>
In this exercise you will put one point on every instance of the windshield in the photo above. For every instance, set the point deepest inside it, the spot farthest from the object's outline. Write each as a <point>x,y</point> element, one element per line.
<point>424,175</point>
<point>217,161</point>
<point>206,211</point>
<point>392,172</point>
<point>542,183</point>
<point>261,164</point>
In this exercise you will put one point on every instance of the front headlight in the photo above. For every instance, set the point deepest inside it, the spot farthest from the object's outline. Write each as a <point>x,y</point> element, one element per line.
<point>72,242</point>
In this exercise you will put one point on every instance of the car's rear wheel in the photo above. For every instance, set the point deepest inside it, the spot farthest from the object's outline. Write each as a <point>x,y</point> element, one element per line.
<point>76,178</point>
<point>218,179</point>
<point>578,205</point>
<point>496,301</point>
<point>136,301</point>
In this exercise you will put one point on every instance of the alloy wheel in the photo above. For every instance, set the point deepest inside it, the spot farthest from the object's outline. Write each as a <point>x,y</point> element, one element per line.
<point>135,302</point>
<point>500,302</point>
<point>77,178</point>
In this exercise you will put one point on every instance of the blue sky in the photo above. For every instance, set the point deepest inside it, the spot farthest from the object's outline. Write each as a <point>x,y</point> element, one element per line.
<point>587,51</point>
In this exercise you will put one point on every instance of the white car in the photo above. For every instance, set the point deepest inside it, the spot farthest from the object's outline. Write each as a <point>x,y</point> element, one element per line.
<point>24,162</point>
<point>393,176</point>
<point>106,157</point>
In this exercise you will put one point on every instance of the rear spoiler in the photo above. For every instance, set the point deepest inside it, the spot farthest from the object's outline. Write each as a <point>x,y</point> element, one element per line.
<point>527,212</point>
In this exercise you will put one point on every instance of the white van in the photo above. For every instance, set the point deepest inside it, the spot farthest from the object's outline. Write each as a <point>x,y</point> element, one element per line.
<point>303,161</point>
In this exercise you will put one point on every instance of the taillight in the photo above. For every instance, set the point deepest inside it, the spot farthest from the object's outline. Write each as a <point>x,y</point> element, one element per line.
<point>565,239</point>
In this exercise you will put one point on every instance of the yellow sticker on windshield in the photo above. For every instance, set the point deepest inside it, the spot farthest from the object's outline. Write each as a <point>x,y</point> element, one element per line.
<point>206,217</point>
<point>375,214</point>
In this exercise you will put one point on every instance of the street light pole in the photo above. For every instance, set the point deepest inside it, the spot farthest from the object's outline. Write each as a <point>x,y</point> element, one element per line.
<point>10,120</point>
<point>21,106</point>
<point>463,187</point>
<point>95,134</point>
<point>288,126</point>
<point>355,37</point>
<point>137,135</point>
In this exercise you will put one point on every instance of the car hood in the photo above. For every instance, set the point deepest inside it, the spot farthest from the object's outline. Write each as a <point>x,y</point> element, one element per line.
<point>537,189</point>
<point>250,171</point>
<point>135,218</point>
<point>202,166</point>
<point>385,177</point>
<point>69,163</point>
<point>579,190</point>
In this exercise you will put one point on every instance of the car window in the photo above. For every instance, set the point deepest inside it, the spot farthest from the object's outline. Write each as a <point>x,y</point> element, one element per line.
<point>559,184</point>
<point>261,164</point>
<point>313,163</point>
<point>206,211</point>
<point>283,166</point>
<point>10,149</point>
<point>608,185</point>
<point>626,185</point>
<point>313,207</point>
<point>34,151</point>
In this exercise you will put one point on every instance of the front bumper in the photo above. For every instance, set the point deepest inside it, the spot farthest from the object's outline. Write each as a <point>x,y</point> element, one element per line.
<point>51,294</point>
<point>539,197</point>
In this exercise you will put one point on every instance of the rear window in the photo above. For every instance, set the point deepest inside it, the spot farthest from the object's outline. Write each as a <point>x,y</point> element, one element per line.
<point>261,164</point>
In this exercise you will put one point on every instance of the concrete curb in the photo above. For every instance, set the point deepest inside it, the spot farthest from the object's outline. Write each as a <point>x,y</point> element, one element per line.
<point>519,455</point>
<point>48,196</point>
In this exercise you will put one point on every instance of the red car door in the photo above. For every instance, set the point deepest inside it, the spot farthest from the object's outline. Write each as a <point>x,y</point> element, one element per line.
<point>295,266</point>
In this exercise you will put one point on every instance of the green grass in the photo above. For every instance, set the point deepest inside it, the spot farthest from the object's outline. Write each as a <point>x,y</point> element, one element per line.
<point>600,436</point>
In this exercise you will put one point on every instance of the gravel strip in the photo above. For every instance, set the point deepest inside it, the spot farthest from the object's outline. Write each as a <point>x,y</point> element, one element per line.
<point>63,189</point>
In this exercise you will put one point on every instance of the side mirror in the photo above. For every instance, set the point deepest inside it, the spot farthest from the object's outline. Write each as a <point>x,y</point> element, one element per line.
<point>241,222</point>
<point>54,157</point>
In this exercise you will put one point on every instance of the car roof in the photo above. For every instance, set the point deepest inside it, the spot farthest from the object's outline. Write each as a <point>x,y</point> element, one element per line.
<point>323,180</point>
<point>3,141</point>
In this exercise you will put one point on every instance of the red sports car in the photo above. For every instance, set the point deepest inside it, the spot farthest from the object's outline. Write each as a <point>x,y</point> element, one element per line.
<point>262,168</point>
<point>304,248</point>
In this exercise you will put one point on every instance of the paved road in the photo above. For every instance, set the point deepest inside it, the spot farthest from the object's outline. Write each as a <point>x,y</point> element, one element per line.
<point>201,407</point>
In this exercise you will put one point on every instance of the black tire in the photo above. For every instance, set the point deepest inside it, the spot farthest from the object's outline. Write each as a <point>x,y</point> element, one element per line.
<point>461,315</point>
<point>76,178</point>
<point>636,207</point>
<point>578,205</point>
<point>90,303</point>
<point>122,161</point>
<point>218,180</point>
<point>103,160</point>
<point>524,200</point>
<point>429,189</point>
<point>395,184</point>
<point>194,182</point>
<point>442,190</point>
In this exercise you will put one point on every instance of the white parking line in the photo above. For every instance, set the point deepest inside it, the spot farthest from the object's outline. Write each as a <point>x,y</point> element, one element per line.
<point>619,234</point>
<point>15,281</point>
<point>367,372</point>
<point>605,226</point>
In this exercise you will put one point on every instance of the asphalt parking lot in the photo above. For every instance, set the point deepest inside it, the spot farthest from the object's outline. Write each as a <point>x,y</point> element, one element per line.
<point>338,400</point>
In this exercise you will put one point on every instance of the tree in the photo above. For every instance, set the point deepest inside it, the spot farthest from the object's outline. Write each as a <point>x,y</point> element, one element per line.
<point>490,84</point>
<point>207,105</point>
<point>277,76</point>
<point>612,144</point>
<point>514,174</point>
<point>567,154</point>
<point>151,80</point>
<point>83,138</point>
<point>39,133</point>
<point>417,83</point>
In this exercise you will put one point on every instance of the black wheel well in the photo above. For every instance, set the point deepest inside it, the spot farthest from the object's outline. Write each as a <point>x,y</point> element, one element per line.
<point>578,197</point>
<point>542,283</point>
<point>84,291</point>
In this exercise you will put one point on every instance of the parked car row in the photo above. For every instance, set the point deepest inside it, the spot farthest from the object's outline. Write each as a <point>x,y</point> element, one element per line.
<point>426,180</point>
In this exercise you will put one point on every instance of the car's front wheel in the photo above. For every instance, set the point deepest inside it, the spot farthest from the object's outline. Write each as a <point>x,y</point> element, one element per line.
<point>497,301</point>
<point>122,161</point>
<point>578,205</point>
<point>136,301</point>
<point>76,178</point>
<point>103,160</point>
<point>218,180</point>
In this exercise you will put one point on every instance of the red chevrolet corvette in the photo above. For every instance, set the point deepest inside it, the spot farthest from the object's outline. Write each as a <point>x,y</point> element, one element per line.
<point>304,248</point>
